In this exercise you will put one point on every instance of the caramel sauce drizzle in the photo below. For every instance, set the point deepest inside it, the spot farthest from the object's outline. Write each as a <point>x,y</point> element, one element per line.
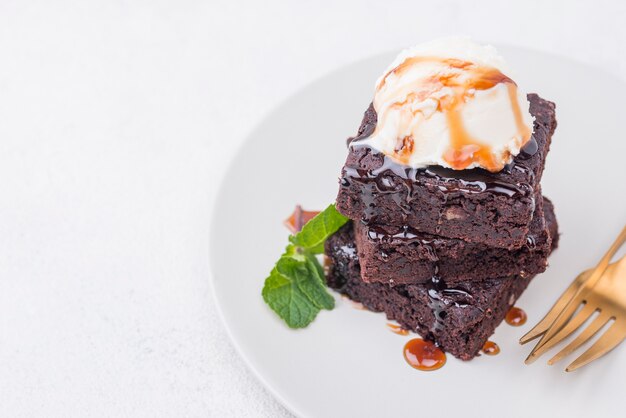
<point>464,149</point>
<point>424,355</point>
<point>404,153</point>
<point>516,317</point>
<point>328,262</point>
<point>299,218</point>
<point>355,305</point>
<point>490,348</point>
<point>397,329</point>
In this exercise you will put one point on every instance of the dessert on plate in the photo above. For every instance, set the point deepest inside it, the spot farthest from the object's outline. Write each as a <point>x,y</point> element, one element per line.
<point>440,221</point>
<point>442,187</point>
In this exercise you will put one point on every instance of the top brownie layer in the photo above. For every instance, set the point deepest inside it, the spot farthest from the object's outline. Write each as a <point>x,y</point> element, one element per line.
<point>474,205</point>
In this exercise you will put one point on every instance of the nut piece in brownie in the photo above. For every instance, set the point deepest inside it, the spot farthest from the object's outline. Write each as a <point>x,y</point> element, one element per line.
<point>473,205</point>
<point>401,255</point>
<point>459,318</point>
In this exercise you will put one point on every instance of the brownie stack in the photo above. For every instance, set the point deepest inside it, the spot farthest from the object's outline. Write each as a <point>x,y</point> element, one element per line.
<point>444,253</point>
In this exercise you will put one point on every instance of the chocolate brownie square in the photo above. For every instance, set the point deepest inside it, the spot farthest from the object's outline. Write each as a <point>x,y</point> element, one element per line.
<point>402,255</point>
<point>475,205</point>
<point>459,318</point>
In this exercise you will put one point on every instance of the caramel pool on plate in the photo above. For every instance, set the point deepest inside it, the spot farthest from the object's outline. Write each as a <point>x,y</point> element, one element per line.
<point>516,317</point>
<point>397,329</point>
<point>424,355</point>
<point>490,348</point>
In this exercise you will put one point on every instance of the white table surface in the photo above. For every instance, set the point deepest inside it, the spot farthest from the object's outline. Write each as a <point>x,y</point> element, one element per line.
<point>117,119</point>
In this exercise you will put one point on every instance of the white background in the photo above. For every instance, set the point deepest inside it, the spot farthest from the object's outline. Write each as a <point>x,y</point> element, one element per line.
<point>117,119</point>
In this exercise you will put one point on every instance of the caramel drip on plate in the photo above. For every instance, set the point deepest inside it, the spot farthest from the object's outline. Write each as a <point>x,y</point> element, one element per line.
<point>397,329</point>
<point>299,218</point>
<point>490,348</point>
<point>424,355</point>
<point>355,305</point>
<point>516,317</point>
<point>465,79</point>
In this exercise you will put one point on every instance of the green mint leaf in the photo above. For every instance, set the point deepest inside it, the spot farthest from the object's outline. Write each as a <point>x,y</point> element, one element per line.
<point>320,270</point>
<point>314,285</point>
<point>282,293</point>
<point>318,229</point>
<point>295,288</point>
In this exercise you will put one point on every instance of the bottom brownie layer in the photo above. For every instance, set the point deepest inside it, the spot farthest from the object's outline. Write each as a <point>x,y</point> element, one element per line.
<point>459,319</point>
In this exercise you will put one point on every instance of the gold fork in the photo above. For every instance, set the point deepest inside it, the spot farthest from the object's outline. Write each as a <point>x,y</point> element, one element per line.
<point>592,275</point>
<point>608,298</point>
<point>544,325</point>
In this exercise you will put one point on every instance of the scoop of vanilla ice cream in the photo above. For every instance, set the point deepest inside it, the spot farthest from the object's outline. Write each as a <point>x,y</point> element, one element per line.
<point>450,102</point>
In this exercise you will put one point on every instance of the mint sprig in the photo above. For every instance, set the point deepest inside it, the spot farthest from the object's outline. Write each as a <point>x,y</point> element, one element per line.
<point>318,229</point>
<point>295,288</point>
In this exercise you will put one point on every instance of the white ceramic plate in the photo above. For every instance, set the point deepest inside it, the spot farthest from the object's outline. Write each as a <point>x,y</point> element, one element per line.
<point>347,363</point>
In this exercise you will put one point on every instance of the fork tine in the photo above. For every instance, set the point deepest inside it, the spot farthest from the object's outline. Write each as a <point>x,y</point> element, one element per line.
<point>561,318</point>
<point>609,340</point>
<point>582,338</point>
<point>547,320</point>
<point>559,323</point>
<point>574,323</point>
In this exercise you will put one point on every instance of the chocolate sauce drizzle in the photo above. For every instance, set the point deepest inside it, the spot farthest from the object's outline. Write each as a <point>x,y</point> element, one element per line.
<point>442,297</point>
<point>474,181</point>
<point>448,182</point>
<point>367,130</point>
<point>392,178</point>
<point>468,181</point>
<point>529,149</point>
<point>405,234</point>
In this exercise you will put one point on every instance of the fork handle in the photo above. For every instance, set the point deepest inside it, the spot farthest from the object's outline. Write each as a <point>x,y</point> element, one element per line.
<point>604,262</point>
